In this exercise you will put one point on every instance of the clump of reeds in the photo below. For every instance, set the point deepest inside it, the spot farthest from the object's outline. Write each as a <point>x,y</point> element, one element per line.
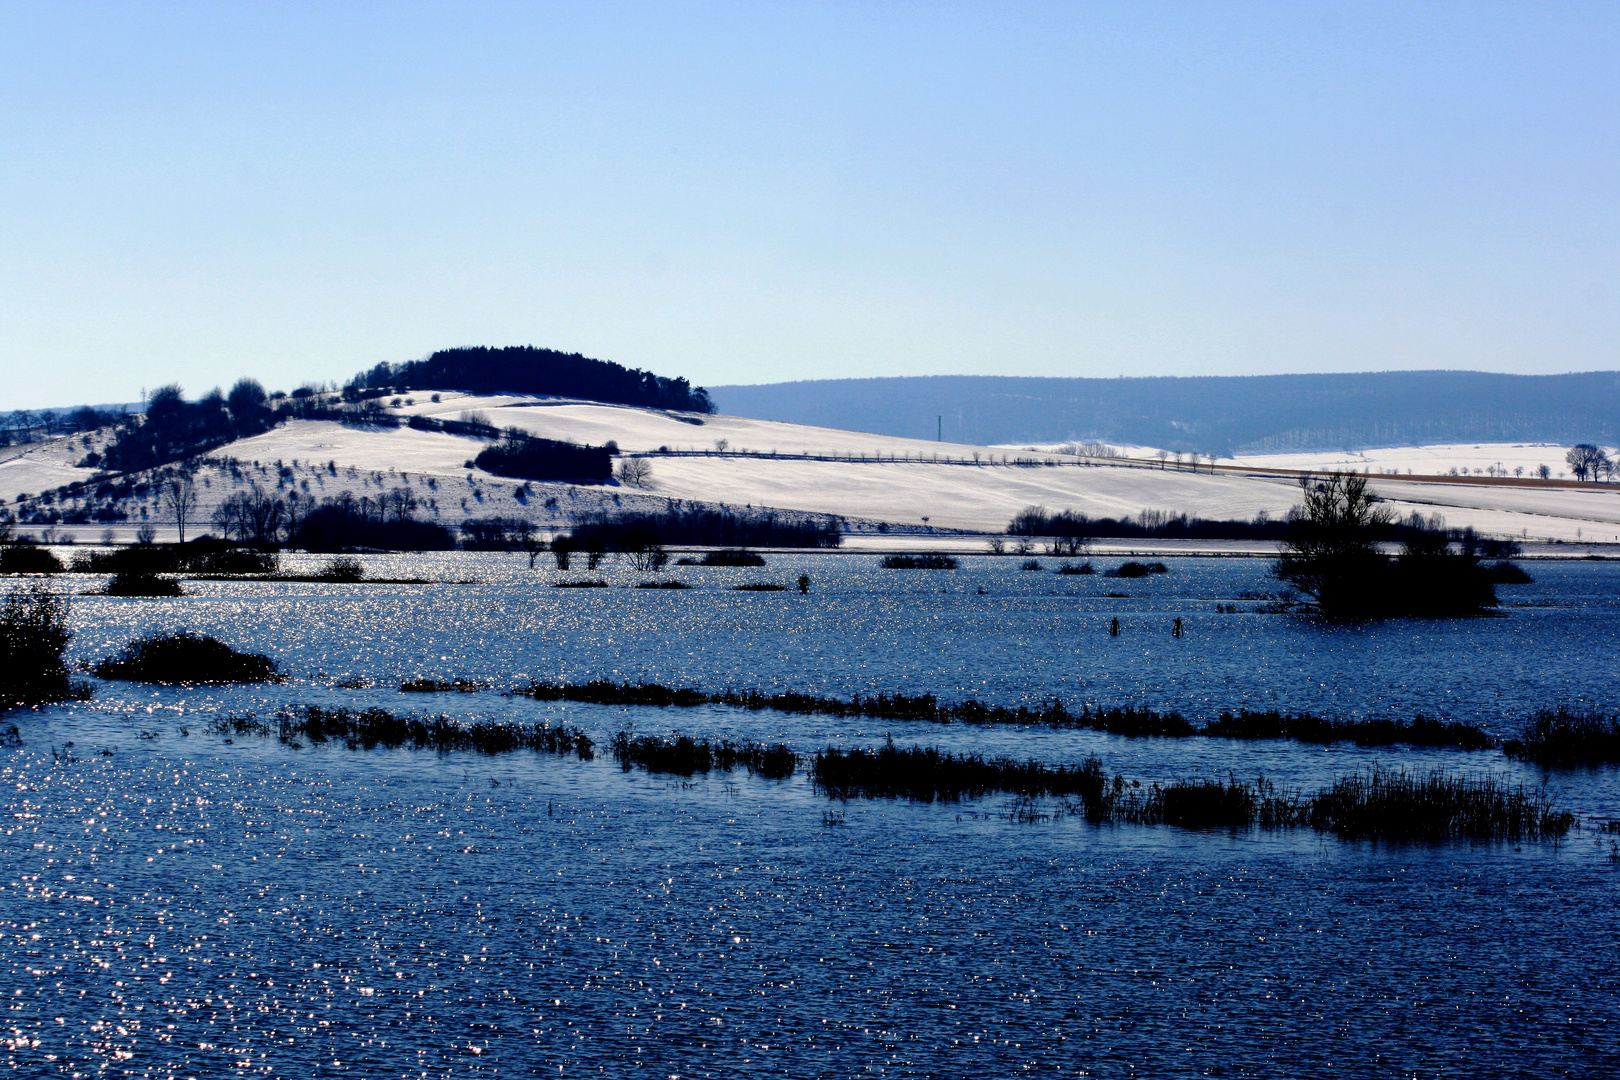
<point>1071,568</point>
<point>1135,569</point>
<point>928,774</point>
<point>932,561</point>
<point>684,756</point>
<point>1127,720</point>
<point>1304,727</point>
<point>585,583</point>
<point>1029,566</point>
<point>760,586</point>
<point>439,686</point>
<point>1380,804</point>
<point>1563,737</point>
<point>378,727</point>
<point>732,557</point>
<point>1396,805</point>
<point>185,657</point>
<point>670,584</point>
<point>137,584</point>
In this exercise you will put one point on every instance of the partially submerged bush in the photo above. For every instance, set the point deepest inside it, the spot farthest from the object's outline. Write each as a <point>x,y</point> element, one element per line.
<point>1070,568</point>
<point>733,557</point>
<point>185,657</point>
<point>1135,570</point>
<point>760,586</point>
<point>437,686</point>
<point>133,584</point>
<point>582,584</point>
<point>670,584</point>
<point>33,636</point>
<point>933,561</point>
<point>28,559</point>
<point>341,570</point>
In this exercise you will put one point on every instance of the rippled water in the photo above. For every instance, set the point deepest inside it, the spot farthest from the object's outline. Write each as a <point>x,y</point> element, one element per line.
<point>173,904</point>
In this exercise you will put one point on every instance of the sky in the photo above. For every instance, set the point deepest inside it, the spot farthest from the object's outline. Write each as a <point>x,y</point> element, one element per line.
<point>759,192</point>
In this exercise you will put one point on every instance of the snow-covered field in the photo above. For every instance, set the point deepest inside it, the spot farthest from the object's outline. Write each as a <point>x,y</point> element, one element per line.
<point>906,483</point>
<point>1478,459</point>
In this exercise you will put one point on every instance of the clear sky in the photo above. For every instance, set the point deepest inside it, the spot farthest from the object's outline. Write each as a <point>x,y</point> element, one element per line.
<point>766,191</point>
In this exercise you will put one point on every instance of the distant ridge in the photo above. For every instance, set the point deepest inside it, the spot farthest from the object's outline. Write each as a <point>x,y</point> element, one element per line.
<point>1209,414</point>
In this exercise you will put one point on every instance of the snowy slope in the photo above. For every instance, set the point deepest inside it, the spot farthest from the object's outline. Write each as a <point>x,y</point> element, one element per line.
<point>951,486</point>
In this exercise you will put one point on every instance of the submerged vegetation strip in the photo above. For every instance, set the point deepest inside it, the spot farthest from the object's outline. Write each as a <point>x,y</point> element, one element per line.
<point>1120,720</point>
<point>685,756</point>
<point>1382,803</point>
<point>1564,737</point>
<point>371,728</point>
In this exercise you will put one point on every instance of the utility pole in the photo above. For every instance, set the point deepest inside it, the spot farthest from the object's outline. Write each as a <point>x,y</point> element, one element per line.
<point>939,429</point>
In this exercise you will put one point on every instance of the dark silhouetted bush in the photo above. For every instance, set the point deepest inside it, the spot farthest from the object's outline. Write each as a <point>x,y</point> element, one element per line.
<point>1136,570</point>
<point>33,636</point>
<point>185,657</point>
<point>20,558</point>
<point>919,562</point>
<point>733,557</point>
<point>129,584</point>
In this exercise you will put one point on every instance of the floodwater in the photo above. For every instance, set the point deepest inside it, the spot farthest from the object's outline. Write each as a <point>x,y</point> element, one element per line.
<point>176,904</point>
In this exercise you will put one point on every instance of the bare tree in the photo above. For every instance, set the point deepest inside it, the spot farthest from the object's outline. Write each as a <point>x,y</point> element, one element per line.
<point>180,497</point>
<point>634,471</point>
<point>1588,462</point>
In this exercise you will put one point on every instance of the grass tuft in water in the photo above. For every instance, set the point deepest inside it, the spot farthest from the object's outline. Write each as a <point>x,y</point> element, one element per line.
<point>670,584</point>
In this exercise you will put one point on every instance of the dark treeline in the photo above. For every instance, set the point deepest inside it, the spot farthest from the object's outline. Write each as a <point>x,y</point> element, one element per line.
<point>526,457</point>
<point>1069,524</point>
<point>1131,721</point>
<point>709,527</point>
<point>345,523</point>
<point>528,370</point>
<point>31,425</point>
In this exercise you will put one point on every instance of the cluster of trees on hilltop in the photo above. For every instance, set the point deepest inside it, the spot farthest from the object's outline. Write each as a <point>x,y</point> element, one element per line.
<point>524,369</point>
<point>174,429</point>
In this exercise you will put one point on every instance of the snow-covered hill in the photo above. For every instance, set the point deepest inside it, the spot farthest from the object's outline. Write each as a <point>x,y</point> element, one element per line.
<point>905,483</point>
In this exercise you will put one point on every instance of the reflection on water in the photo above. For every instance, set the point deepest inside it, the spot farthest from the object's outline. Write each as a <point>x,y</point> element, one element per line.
<point>179,905</point>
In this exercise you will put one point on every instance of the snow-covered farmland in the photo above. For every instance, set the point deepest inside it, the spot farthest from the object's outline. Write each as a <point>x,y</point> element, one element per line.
<point>905,483</point>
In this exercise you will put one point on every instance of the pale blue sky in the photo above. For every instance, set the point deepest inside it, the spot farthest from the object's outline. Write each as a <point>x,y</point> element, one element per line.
<point>759,192</point>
